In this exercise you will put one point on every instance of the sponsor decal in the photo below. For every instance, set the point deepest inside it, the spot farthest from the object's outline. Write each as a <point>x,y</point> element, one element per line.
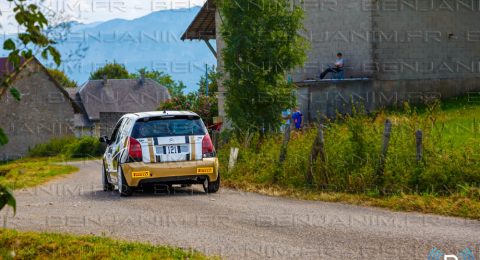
<point>141,174</point>
<point>205,170</point>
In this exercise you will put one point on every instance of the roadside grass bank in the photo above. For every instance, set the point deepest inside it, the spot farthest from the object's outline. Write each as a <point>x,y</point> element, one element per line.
<point>31,245</point>
<point>457,205</point>
<point>26,173</point>
<point>442,179</point>
<point>44,161</point>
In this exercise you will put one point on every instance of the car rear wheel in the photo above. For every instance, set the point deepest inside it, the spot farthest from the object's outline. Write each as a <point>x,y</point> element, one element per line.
<point>123,189</point>
<point>211,187</point>
<point>107,186</point>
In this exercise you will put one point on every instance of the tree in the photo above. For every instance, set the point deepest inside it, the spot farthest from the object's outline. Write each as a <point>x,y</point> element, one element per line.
<point>112,71</point>
<point>262,44</point>
<point>62,79</point>
<point>33,22</point>
<point>205,106</point>
<point>174,88</point>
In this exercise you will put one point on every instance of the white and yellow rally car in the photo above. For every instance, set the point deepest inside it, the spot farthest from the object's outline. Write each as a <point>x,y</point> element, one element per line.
<point>169,147</point>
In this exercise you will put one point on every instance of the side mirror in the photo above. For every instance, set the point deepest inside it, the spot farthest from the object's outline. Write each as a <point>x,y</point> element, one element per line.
<point>104,139</point>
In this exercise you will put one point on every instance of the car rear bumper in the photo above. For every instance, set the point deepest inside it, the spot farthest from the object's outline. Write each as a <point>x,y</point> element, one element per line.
<point>170,172</point>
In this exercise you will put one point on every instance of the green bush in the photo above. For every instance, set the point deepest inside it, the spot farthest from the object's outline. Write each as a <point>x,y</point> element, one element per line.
<point>84,147</point>
<point>52,148</point>
<point>69,147</point>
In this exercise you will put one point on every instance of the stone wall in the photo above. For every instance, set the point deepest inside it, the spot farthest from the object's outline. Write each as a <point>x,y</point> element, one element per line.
<point>43,113</point>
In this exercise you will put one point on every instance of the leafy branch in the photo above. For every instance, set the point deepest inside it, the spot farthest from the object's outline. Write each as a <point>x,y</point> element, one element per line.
<point>32,22</point>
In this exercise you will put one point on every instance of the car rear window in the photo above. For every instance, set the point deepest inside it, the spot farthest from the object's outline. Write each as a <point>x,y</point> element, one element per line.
<point>168,126</point>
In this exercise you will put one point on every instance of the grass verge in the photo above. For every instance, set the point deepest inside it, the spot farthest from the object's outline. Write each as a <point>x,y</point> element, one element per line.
<point>31,172</point>
<point>30,245</point>
<point>455,205</point>
<point>443,179</point>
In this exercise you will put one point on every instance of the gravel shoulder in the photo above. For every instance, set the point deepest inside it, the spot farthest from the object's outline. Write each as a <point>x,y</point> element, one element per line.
<point>236,225</point>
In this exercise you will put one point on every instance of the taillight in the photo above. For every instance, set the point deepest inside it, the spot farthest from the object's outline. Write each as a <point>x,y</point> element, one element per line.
<point>135,149</point>
<point>207,147</point>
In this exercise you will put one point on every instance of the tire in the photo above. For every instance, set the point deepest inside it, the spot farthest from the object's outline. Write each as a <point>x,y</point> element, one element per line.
<point>211,187</point>
<point>107,186</point>
<point>123,189</point>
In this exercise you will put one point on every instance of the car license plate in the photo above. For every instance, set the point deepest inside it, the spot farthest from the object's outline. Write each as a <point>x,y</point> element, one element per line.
<point>205,170</point>
<point>171,149</point>
<point>140,174</point>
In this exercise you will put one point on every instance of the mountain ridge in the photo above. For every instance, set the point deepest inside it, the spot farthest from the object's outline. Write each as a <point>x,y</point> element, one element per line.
<point>152,41</point>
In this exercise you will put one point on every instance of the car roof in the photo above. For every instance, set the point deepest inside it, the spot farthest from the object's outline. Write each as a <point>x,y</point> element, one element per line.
<point>160,113</point>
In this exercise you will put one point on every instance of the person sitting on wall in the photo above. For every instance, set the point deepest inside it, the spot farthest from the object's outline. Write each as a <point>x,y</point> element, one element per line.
<point>338,66</point>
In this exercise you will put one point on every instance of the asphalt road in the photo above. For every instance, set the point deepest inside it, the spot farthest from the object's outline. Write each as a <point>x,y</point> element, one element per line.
<point>237,225</point>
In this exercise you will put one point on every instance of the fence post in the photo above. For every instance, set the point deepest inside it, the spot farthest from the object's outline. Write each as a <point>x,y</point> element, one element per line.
<point>318,149</point>
<point>419,135</point>
<point>379,176</point>
<point>286,139</point>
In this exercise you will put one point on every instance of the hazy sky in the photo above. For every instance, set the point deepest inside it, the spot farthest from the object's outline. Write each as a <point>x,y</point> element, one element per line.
<point>88,11</point>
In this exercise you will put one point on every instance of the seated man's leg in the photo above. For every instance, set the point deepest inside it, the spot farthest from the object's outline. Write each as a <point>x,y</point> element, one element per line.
<point>338,73</point>
<point>329,70</point>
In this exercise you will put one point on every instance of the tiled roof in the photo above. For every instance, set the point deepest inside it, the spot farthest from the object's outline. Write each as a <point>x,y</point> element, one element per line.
<point>121,95</point>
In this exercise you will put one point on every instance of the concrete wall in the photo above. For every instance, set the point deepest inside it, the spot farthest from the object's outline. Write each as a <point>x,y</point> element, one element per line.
<point>434,39</point>
<point>220,45</point>
<point>326,98</point>
<point>42,114</point>
<point>334,26</point>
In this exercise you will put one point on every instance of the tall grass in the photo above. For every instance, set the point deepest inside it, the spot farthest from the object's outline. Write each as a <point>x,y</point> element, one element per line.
<point>449,165</point>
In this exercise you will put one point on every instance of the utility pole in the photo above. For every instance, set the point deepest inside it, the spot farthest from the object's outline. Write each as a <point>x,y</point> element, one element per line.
<point>206,79</point>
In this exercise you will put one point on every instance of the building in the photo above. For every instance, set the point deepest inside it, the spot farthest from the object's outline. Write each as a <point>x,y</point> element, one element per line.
<point>44,112</point>
<point>395,51</point>
<point>103,102</point>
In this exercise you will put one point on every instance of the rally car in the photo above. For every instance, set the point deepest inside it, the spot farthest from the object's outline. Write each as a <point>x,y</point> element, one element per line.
<point>159,148</point>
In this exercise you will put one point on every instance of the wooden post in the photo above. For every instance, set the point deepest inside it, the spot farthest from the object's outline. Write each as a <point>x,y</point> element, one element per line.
<point>381,167</point>
<point>309,105</point>
<point>475,130</point>
<point>286,139</point>
<point>419,135</point>
<point>283,152</point>
<point>215,137</point>
<point>318,149</point>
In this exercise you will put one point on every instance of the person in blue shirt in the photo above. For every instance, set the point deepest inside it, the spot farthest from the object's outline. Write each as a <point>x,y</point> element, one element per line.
<point>297,118</point>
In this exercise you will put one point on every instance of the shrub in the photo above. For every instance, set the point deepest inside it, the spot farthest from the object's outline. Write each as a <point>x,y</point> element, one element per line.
<point>69,147</point>
<point>84,147</point>
<point>52,148</point>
